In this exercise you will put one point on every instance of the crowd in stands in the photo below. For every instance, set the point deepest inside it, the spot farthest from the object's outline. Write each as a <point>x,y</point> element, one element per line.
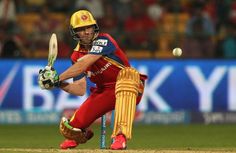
<point>143,28</point>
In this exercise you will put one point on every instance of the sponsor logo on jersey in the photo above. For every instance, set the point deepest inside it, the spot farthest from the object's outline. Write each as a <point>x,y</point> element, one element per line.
<point>96,49</point>
<point>105,67</point>
<point>100,42</point>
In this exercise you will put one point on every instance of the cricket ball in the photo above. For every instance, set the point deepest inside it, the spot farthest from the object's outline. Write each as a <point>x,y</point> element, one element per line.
<point>177,52</point>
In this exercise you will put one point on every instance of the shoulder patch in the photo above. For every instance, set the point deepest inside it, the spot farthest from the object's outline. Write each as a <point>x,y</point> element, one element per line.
<point>96,49</point>
<point>100,42</point>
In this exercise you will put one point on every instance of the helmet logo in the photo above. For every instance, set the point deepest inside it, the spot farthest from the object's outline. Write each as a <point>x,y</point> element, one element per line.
<point>84,17</point>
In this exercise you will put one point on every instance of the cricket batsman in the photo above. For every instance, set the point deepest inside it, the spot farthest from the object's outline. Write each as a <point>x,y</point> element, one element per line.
<point>118,86</point>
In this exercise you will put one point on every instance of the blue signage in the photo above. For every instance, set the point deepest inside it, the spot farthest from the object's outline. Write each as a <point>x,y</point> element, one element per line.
<point>173,85</point>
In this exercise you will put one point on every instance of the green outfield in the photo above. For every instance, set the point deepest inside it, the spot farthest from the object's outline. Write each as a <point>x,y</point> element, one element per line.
<point>155,138</point>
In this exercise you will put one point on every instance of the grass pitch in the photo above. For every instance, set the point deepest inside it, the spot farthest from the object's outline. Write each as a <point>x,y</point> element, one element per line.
<point>146,138</point>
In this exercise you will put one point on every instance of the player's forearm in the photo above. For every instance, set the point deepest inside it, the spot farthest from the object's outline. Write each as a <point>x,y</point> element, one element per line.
<point>72,71</point>
<point>79,67</point>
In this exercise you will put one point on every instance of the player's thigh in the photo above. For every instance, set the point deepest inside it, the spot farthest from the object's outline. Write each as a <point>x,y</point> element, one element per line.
<point>94,107</point>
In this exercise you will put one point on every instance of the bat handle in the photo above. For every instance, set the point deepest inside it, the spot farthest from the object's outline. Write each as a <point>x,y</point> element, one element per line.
<point>48,67</point>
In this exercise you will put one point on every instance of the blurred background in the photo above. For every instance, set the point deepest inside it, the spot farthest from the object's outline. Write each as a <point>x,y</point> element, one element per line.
<point>143,28</point>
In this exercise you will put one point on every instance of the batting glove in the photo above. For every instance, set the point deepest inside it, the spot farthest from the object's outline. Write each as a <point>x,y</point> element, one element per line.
<point>48,78</point>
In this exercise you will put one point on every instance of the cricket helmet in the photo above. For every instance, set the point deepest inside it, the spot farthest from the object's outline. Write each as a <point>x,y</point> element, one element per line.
<point>82,18</point>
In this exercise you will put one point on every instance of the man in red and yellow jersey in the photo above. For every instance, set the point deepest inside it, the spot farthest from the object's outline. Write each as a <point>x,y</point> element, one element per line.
<point>98,57</point>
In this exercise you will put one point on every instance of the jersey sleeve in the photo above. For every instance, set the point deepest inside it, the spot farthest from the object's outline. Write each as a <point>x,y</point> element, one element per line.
<point>102,46</point>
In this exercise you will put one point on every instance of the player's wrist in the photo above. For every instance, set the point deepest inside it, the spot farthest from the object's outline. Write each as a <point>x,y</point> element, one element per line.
<point>57,82</point>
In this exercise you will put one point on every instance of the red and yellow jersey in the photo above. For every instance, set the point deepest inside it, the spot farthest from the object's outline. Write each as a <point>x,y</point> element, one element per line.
<point>105,70</point>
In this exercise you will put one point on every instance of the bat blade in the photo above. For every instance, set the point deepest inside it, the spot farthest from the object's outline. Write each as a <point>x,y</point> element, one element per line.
<point>53,49</point>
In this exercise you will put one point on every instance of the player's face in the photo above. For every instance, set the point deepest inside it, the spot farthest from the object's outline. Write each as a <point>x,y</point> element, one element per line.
<point>86,34</point>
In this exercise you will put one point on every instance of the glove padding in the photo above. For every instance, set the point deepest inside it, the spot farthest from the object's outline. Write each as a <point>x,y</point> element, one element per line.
<point>72,133</point>
<point>48,78</point>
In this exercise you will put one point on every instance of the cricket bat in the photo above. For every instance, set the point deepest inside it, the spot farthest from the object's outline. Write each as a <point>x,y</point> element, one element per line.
<point>52,54</point>
<point>53,49</point>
